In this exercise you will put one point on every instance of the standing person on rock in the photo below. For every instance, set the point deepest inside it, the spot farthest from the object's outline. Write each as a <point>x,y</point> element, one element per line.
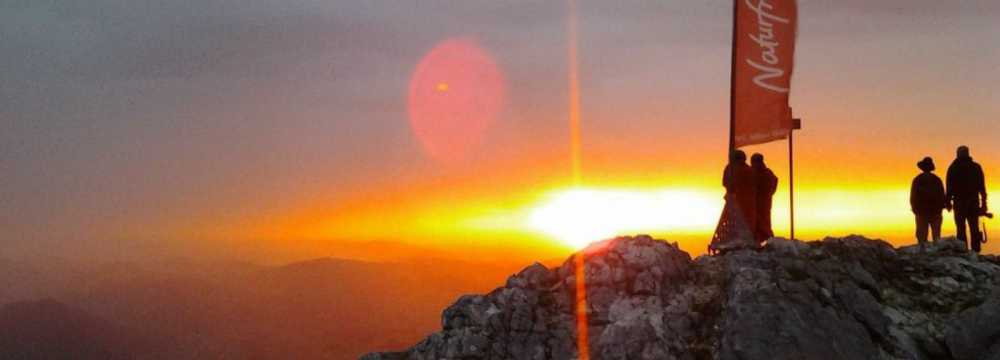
<point>765,184</point>
<point>738,179</point>
<point>966,196</point>
<point>927,201</point>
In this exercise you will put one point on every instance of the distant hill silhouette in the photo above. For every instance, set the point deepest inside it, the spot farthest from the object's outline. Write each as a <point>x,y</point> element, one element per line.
<point>323,308</point>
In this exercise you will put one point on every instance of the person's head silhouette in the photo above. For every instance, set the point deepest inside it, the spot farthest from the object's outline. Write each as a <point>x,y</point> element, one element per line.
<point>926,165</point>
<point>757,159</point>
<point>739,157</point>
<point>962,151</point>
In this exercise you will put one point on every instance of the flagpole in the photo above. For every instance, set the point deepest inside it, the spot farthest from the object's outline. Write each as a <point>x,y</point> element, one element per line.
<point>732,133</point>
<point>791,185</point>
<point>732,88</point>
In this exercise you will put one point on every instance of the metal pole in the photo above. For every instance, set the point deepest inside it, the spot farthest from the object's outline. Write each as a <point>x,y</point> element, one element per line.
<point>796,124</point>
<point>732,88</point>
<point>791,185</point>
<point>732,130</point>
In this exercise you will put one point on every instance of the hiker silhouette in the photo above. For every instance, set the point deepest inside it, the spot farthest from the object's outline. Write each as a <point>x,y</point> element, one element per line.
<point>765,184</point>
<point>738,179</point>
<point>966,196</point>
<point>736,225</point>
<point>927,201</point>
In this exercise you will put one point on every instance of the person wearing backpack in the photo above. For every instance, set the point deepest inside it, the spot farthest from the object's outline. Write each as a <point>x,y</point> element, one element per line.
<point>966,196</point>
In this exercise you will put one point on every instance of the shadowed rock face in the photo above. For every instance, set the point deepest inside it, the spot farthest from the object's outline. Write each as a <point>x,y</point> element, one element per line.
<point>839,298</point>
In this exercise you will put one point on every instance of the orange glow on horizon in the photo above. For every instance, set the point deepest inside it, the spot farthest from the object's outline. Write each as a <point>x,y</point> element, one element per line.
<point>574,217</point>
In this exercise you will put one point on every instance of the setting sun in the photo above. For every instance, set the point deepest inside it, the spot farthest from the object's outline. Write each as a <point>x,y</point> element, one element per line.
<point>578,217</point>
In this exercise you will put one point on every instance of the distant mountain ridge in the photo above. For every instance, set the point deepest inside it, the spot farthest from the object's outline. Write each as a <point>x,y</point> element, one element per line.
<point>324,308</point>
<point>839,298</point>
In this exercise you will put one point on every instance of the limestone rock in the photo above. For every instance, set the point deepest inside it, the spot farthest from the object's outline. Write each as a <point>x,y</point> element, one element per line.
<point>838,298</point>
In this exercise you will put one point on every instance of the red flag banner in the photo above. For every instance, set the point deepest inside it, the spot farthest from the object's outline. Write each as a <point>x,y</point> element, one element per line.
<point>764,52</point>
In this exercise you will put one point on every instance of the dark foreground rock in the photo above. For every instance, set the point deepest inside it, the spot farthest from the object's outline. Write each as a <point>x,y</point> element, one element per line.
<point>839,298</point>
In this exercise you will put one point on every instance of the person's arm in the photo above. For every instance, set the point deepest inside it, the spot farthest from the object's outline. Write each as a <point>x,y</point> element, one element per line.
<point>982,184</point>
<point>727,176</point>
<point>913,196</point>
<point>774,183</point>
<point>940,195</point>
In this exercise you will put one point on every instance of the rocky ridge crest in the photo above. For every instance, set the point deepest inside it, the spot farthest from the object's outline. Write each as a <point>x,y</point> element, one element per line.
<point>838,298</point>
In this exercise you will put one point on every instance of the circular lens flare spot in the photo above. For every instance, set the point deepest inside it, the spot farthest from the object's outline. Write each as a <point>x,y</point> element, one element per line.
<point>456,93</point>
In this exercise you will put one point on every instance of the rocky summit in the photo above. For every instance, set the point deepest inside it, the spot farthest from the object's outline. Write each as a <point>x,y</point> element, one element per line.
<point>838,298</point>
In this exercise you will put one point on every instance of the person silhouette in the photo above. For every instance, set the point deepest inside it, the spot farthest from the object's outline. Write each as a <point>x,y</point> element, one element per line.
<point>966,196</point>
<point>738,179</point>
<point>927,201</point>
<point>765,184</point>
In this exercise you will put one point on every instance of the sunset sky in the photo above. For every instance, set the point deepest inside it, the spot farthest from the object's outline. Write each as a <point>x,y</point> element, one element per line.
<point>276,130</point>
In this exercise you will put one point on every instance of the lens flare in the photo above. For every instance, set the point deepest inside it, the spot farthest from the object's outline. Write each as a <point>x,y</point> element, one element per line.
<point>456,93</point>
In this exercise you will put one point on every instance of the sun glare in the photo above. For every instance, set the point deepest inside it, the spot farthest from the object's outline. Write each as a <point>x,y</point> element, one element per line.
<point>580,216</point>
